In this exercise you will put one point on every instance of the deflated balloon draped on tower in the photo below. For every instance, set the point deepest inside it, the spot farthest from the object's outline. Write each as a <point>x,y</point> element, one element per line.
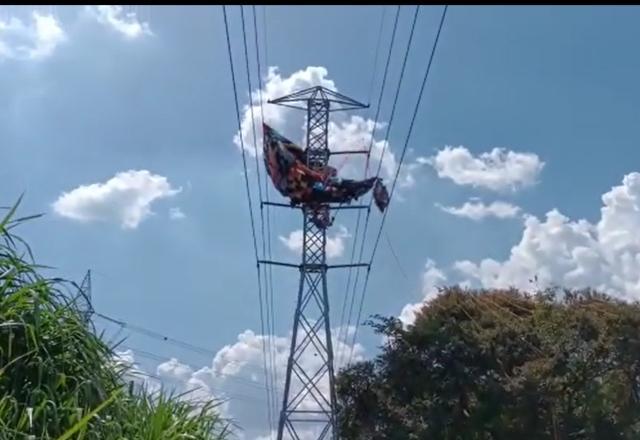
<point>286,164</point>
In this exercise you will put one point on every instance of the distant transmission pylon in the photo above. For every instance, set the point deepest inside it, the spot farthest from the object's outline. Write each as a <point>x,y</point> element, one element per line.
<point>83,300</point>
<point>309,404</point>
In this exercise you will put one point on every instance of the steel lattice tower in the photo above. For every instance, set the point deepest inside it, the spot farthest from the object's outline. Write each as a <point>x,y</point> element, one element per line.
<point>83,299</point>
<point>310,402</point>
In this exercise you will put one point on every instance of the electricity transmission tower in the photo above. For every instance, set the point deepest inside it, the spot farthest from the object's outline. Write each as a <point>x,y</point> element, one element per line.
<point>309,401</point>
<point>83,300</point>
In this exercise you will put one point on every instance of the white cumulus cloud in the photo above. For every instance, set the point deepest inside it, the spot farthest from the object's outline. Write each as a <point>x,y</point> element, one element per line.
<point>245,356</point>
<point>236,374</point>
<point>134,373</point>
<point>294,241</point>
<point>557,250</point>
<point>477,210</point>
<point>496,170</point>
<point>575,253</point>
<point>176,214</point>
<point>432,279</point>
<point>355,134</point>
<point>285,120</point>
<point>126,199</point>
<point>334,247</point>
<point>116,18</point>
<point>35,40</point>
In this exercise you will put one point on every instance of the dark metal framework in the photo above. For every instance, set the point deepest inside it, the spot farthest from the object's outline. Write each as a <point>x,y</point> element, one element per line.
<point>83,300</point>
<point>310,403</point>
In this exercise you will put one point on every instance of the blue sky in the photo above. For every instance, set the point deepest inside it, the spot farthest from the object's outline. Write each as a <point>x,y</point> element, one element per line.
<point>87,94</point>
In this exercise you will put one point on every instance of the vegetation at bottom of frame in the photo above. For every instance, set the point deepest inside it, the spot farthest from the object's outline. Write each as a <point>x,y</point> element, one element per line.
<point>497,365</point>
<point>59,380</point>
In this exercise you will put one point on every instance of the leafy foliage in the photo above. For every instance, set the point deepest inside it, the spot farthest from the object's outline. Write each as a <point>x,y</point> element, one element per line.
<point>58,379</point>
<point>500,364</point>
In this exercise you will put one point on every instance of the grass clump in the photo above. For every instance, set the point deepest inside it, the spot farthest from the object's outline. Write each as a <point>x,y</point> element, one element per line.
<point>59,380</point>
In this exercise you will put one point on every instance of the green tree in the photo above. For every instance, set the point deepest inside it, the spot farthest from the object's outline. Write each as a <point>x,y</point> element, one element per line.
<point>500,364</point>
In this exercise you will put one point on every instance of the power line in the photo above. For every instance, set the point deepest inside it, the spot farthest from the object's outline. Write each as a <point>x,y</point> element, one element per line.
<point>395,256</point>
<point>253,125</point>
<point>244,398</point>
<point>253,231</point>
<point>159,358</point>
<point>153,334</point>
<point>413,119</point>
<point>205,352</point>
<point>264,36</point>
<point>404,151</point>
<point>355,241</point>
<point>377,53</point>
<point>374,68</point>
<point>369,95</point>
<point>269,269</point>
<point>384,147</point>
<point>266,341</point>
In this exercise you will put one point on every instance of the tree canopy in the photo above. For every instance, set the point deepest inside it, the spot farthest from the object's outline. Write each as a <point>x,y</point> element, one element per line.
<point>500,364</point>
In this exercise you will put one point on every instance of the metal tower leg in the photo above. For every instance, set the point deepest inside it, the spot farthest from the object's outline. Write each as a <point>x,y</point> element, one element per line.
<point>309,400</point>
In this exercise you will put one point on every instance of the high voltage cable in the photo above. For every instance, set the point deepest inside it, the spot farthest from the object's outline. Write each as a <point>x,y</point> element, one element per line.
<point>156,335</point>
<point>205,352</point>
<point>384,146</point>
<point>395,256</point>
<point>160,358</point>
<point>235,396</point>
<point>253,128</point>
<point>404,151</point>
<point>353,249</point>
<point>253,231</point>
<point>377,53</point>
<point>268,269</point>
<point>369,96</point>
<point>264,36</point>
<point>266,340</point>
